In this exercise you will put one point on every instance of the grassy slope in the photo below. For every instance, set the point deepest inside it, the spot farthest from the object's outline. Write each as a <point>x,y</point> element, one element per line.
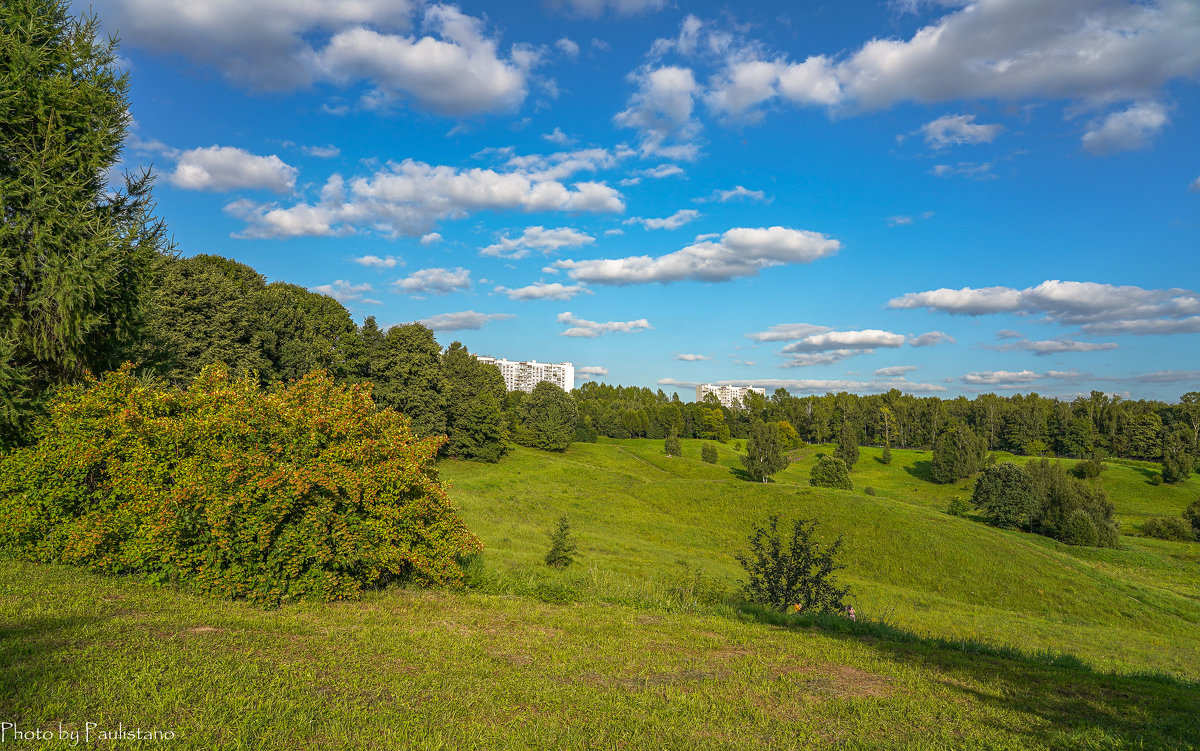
<point>641,658</point>
<point>648,522</point>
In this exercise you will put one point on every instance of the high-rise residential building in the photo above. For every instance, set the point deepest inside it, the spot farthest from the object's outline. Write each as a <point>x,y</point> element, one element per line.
<point>728,396</point>
<point>523,375</point>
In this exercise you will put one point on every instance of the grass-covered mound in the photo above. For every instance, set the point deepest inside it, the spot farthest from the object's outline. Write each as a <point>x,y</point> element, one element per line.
<point>663,531</point>
<point>307,491</point>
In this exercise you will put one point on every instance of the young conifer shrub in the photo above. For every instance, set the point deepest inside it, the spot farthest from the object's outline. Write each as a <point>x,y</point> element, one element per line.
<point>708,453</point>
<point>795,573</point>
<point>307,491</point>
<point>562,545</point>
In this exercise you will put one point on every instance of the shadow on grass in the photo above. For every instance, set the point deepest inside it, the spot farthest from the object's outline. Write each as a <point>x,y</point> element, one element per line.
<point>27,663</point>
<point>1069,699</point>
<point>922,470</point>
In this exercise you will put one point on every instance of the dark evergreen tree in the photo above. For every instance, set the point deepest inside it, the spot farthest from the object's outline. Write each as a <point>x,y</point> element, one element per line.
<point>886,458</point>
<point>958,453</point>
<point>1006,494</point>
<point>76,254</point>
<point>847,445</point>
<point>1192,515</point>
<point>1177,461</point>
<point>474,419</point>
<point>410,378</point>
<point>548,418</point>
<point>672,446</point>
<point>764,452</point>
<point>563,548</point>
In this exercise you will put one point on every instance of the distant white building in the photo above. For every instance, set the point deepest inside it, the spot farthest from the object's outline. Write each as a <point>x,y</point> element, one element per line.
<point>728,396</point>
<point>523,375</point>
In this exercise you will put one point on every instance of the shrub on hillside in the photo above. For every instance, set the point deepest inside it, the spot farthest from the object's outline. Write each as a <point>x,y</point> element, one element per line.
<point>1059,495</point>
<point>562,545</point>
<point>1005,493</point>
<point>886,458</point>
<point>672,445</point>
<point>958,453</point>
<point>959,506</point>
<point>830,472</point>
<point>847,444</point>
<point>1089,469</point>
<point>1192,514</point>
<point>304,492</point>
<point>1169,528</point>
<point>1079,529</point>
<point>795,573</point>
<point>708,453</point>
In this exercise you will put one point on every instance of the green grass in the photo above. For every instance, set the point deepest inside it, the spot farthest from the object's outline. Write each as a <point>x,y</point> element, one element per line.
<point>970,637</point>
<point>648,524</point>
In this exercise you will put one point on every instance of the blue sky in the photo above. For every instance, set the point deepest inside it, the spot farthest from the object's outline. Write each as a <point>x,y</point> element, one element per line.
<point>947,197</point>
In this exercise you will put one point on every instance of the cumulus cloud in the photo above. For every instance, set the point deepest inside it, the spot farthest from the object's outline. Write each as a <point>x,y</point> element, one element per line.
<point>846,340</point>
<point>953,130</point>
<point>344,291</point>
<point>562,164</point>
<point>1001,377</point>
<point>893,371</point>
<point>322,152</point>
<point>1057,346</point>
<point>593,370</point>
<point>661,111</point>
<point>678,383</point>
<point>454,68</point>
<point>821,386</point>
<point>739,252</point>
<point>1088,50</point>
<point>930,338</point>
<point>431,238</point>
<point>978,171</point>
<point>409,197</point>
<point>544,291</point>
<point>1098,308</point>
<point>537,238</point>
<point>226,168</point>
<point>674,221</point>
<point>829,357</point>
<point>786,332</point>
<point>595,8</point>
<point>568,48</point>
<point>436,281</point>
<point>692,358</point>
<point>375,262</point>
<point>558,137</point>
<point>738,193</point>
<point>581,327</point>
<point>1128,130</point>
<point>463,320</point>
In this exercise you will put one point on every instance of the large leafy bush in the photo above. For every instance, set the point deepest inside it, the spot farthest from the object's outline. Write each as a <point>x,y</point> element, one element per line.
<point>307,491</point>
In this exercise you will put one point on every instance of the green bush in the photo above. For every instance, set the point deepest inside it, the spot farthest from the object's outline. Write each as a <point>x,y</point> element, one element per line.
<point>959,506</point>
<point>1080,529</point>
<point>886,458</point>
<point>958,453</point>
<point>1058,497</point>
<point>1090,469</point>
<point>795,573</point>
<point>1005,493</point>
<point>869,490</point>
<point>562,545</point>
<point>1192,514</point>
<point>1168,528</point>
<point>304,492</point>
<point>708,453</point>
<point>830,472</point>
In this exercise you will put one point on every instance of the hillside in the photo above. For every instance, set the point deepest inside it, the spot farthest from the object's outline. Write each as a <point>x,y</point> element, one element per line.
<point>648,524</point>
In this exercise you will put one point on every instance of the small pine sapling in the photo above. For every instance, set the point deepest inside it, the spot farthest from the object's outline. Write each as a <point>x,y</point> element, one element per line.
<point>562,545</point>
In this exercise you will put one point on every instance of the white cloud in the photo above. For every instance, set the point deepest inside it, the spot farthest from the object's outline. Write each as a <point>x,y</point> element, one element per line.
<point>1091,50</point>
<point>740,252</point>
<point>979,171</point>
<point>558,137</point>
<point>596,370</point>
<point>820,386</point>
<point>1196,184</point>
<point>903,220</point>
<point>1009,334</point>
<point>1057,346</point>
<point>846,340</point>
<point>226,168</point>
<point>467,319</point>
<point>588,329</point>
<point>537,238</point>
<point>786,332</point>
<point>458,74</point>
<point>811,359</point>
<point>431,238</point>
<point>661,111</point>
<point>893,371</point>
<point>375,262</point>
<point>1000,377</point>
<point>344,291</point>
<point>436,281</point>
<point>322,152</point>
<point>674,221</point>
<point>678,383</point>
<point>1099,308</point>
<point>738,193</point>
<point>692,358</point>
<point>409,197</point>
<point>568,48</point>
<point>930,338</point>
<point>1128,130</point>
<point>562,164</point>
<point>544,291</point>
<point>594,8</point>
<point>953,130</point>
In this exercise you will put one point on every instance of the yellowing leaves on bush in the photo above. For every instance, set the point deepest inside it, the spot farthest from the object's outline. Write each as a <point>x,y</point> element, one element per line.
<point>306,491</point>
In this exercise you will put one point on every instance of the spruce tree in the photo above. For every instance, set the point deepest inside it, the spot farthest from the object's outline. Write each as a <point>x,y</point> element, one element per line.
<point>562,545</point>
<point>75,253</point>
<point>847,446</point>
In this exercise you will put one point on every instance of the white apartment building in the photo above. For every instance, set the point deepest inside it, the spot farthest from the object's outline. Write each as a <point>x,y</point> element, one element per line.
<point>728,396</point>
<point>523,375</point>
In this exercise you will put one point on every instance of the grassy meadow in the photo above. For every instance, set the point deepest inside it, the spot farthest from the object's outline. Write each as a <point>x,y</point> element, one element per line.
<point>970,637</point>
